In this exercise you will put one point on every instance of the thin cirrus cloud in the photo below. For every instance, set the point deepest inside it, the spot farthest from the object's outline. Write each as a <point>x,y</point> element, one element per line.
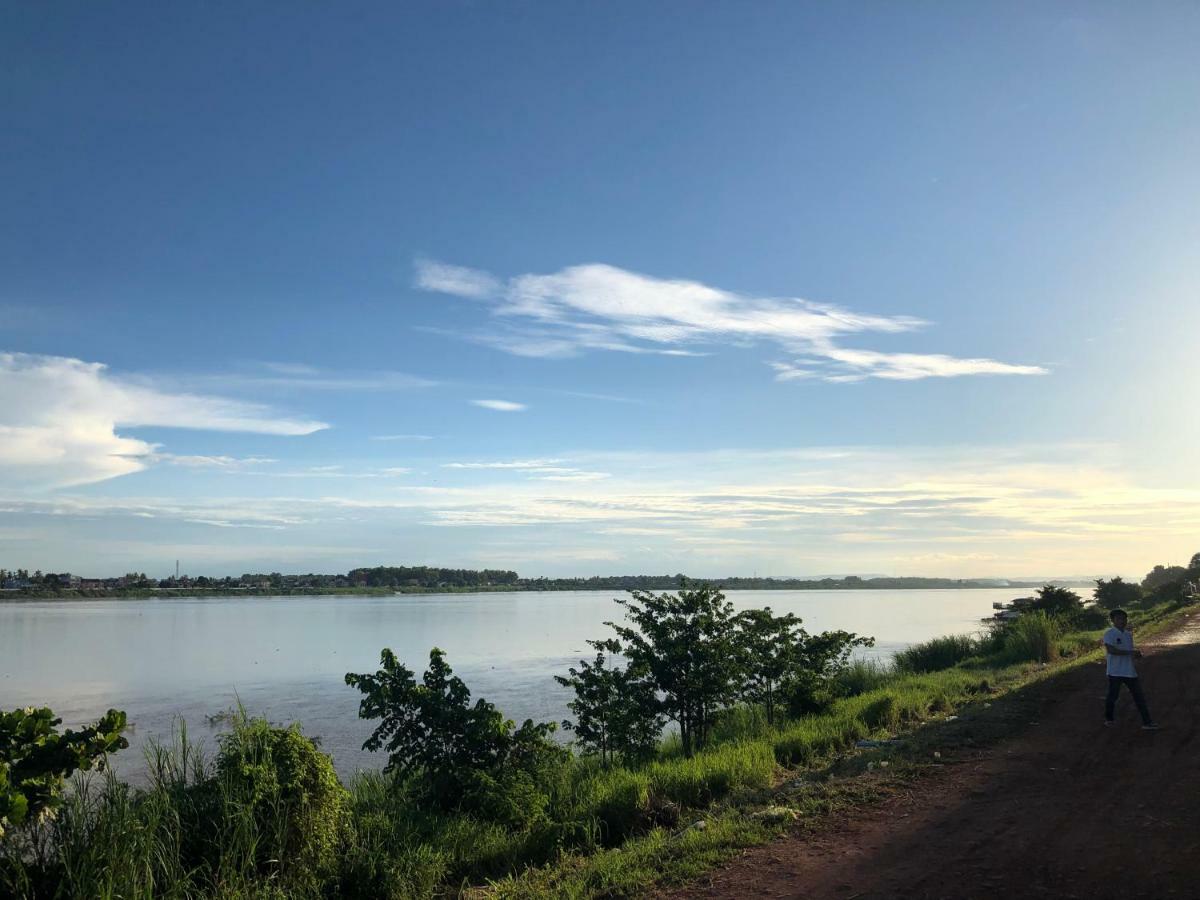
<point>602,307</point>
<point>59,418</point>
<point>537,469</point>
<point>501,405</point>
<point>304,377</point>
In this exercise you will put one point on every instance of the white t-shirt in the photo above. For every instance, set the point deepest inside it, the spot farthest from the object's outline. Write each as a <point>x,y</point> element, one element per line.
<point>1120,665</point>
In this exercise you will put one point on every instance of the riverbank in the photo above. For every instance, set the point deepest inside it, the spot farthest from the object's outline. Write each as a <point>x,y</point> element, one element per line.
<point>525,585</point>
<point>587,831</point>
<point>915,726</point>
<point>1032,779</point>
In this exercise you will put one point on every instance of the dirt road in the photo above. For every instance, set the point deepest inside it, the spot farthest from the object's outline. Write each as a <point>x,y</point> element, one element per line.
<point>1065,808</point>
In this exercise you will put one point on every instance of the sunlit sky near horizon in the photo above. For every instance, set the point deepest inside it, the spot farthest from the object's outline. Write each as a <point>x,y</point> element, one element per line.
<point>577,289</point>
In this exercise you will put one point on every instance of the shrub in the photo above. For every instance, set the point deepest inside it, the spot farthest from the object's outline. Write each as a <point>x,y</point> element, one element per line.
<point>1160,576</point>
<point>615,710</point>
<point>1089,618</point>
<point>1057,600</point>
<point>1034,636</point>
<point>432,729</point>
<point>298,806</point>
<point>685,644</point>
<point>936,654</point>
<point>781,658</point>
<point>35,760</point>
<point>1115,593</point>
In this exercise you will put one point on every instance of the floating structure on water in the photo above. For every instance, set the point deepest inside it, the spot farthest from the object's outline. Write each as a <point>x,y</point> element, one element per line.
<point>1006,612</point>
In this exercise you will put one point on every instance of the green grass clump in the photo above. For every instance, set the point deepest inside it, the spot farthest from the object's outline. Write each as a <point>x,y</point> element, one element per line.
<point>936,654</point>
<point>660,856</point>
<point>1033,637</point>
<point>614,803</point>
<point>863,675</point>
<point>712,774</point>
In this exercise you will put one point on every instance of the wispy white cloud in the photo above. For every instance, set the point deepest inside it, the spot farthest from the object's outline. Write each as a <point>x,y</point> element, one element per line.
<point>224,463</point>
<point>860,364</point>
<point>304,377</point>
<point>537,469</point>
<point>602,307</point>
<point>402,437</point>
<point>535,464</point>
<point>458,280</point>
<point>501,405</point>
<point>59,419</point>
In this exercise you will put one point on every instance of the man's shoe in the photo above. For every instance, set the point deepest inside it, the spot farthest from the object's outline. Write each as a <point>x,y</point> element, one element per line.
<point>1109,723</point>
<point>1152,726</point>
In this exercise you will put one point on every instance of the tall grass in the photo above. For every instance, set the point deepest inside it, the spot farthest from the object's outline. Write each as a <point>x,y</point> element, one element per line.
<point>1034,636</point>
<point>863,675</point>
<point>937,654</point>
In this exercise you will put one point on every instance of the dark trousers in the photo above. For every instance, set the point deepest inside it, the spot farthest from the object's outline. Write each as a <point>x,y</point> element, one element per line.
<point>1135,688</point>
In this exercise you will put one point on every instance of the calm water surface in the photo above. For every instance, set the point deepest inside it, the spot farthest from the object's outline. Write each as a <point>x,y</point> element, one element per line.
<point>285,657</point>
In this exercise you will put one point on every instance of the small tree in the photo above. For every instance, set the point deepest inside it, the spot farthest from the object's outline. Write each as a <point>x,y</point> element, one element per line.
<point>1057,600</point>
<point>686,645</point>
<point>1115,593</point>
<point>1160,576</point>
<point>615,708</point>
<point>769,646</point>
<point>35,760</point>
<point>432,728</point>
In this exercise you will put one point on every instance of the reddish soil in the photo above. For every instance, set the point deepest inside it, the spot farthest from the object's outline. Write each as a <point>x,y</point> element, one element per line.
<point>1064,808</point>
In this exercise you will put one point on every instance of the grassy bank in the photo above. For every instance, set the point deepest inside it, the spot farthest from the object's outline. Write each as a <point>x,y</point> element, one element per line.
<point>267,817</point>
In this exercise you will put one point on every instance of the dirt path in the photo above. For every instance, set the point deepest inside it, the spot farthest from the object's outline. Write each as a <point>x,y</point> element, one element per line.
<point>1067,808</point>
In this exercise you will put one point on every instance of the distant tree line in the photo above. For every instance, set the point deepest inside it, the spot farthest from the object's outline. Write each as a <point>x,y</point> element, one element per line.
<point>430,577</point>
<point>1161,583</point>
<point>740,583</point>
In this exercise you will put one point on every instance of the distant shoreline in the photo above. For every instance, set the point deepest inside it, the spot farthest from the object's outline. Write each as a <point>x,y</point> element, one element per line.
<point>210,593</point>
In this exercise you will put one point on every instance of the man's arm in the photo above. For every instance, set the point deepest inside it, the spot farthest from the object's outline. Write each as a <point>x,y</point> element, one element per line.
<point>1116,651</point>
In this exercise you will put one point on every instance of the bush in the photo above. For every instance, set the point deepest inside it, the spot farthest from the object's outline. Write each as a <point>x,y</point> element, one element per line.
<point>615,710</point>
<point>862,675</point>
<point>1057,600</point>
<point>1116,593</point>
<point>299,807</point>
<point>686,646</point>
<point>936,654</point>
<point>432,730</point>
<point>1089,618</point>
<point>1034,637</point>
<point>35,760</point>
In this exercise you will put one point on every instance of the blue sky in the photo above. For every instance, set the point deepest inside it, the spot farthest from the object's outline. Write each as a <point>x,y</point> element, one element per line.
<point>571,288</point>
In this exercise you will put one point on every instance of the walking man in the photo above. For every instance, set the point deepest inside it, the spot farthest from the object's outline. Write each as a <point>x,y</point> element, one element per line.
<point>1118,642</point>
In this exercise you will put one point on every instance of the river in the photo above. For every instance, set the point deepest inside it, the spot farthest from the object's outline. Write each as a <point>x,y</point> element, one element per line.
<point>285,657</point>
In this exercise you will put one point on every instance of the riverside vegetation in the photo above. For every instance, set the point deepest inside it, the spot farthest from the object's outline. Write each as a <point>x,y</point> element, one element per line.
<point>468,803</point>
